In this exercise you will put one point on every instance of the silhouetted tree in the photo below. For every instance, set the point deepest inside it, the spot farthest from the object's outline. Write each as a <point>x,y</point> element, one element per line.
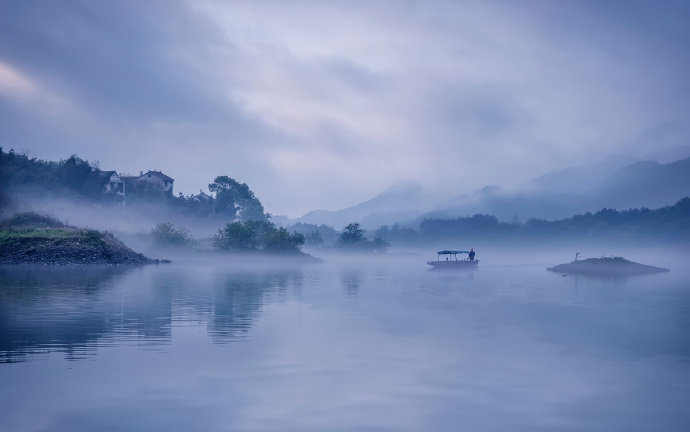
<point>236,200</point>
<point>352,234</point>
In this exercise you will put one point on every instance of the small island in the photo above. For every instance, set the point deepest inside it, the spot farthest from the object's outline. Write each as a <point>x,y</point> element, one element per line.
<point>607,266</point>
<point>30,238</point>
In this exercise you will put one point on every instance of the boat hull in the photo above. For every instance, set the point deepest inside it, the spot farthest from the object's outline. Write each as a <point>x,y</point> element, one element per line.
<point>454,264</point>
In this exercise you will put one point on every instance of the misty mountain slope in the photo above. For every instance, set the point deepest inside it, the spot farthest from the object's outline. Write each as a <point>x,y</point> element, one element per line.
<point>613,182</point>
<point>510,205</point>
<point>403,201</point>
<point>645,184</point>
<point>578,190</point>
<point>575,180</point>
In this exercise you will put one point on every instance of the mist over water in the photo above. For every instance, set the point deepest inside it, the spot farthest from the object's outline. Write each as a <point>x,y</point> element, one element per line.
<point>354,343</point>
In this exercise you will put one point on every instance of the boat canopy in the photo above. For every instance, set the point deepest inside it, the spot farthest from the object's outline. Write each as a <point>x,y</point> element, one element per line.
<point>452,252</point>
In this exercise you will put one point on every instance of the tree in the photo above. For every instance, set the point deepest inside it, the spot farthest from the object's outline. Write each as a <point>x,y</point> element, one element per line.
<point>280,240</point>
<point>236,200</point>
<point>258,235</point>
<point>352,234</point>
<point>237,235</point>
<point>166,234</point>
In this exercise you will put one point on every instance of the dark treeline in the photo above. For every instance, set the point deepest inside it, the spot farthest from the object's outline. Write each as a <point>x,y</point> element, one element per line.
<point>253,235</point>
<point>258,235</point>
<point>72,175</point>
<point>351,238</point>
<point>671,223</point>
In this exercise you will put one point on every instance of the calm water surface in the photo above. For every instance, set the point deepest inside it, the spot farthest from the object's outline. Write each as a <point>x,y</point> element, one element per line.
<point>376,344</point>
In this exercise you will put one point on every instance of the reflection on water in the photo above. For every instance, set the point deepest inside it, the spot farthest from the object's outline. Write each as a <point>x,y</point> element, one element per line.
<point>238,298</point>
<point>351,281</point>
<point>44,308</point>
<point>376,345</point>
<point>75,309</point>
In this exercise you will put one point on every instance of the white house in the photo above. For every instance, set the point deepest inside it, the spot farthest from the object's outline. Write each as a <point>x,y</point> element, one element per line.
<point>156,180</point>
<point>115,184</point>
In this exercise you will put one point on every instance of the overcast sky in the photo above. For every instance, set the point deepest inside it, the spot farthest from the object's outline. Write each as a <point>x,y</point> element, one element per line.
<point>322,104</point>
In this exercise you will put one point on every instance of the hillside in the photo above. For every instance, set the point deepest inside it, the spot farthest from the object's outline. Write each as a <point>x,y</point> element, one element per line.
<point>645,183</point>
<point>401,202</point>
<point>578,190</point>
<point>617,182</point>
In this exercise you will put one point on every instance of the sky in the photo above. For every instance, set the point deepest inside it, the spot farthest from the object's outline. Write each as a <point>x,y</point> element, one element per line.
<point>321,105</point>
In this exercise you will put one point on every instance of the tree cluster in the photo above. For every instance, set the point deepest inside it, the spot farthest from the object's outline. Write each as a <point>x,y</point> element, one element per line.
<point>315,235</point>
<point>72,175</point>
<point>166,235</point>
<point>76,177</point>
<point>235,200</point>
<point>353,238</point>
<point>258,235</point>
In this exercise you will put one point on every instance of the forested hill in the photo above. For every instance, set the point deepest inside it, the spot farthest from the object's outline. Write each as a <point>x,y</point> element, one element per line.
<point>70,176</point>
<point>23,179</point>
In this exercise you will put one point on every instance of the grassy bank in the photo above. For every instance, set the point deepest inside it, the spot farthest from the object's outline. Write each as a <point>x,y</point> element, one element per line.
<point>37,239</point>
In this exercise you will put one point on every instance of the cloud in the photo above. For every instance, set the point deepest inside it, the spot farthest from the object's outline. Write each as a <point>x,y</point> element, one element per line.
<point>325,104</point>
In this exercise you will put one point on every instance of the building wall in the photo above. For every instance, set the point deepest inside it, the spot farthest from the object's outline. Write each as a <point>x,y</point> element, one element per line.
<point>153,182</point>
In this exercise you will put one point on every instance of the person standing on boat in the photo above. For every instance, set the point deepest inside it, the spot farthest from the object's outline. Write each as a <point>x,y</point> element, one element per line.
<point>472,254</point>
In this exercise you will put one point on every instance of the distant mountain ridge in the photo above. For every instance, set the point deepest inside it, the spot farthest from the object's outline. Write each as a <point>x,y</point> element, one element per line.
<point>619,182</point>
<point>646,184</point>
<point>401,202</point>
<point>551,196</point>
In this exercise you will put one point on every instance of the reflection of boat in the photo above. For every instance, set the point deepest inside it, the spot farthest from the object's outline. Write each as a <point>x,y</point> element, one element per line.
<point>451,260</point>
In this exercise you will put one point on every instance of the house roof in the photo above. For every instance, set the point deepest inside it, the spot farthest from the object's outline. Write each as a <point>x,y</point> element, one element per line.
<point>202,195</point>
<point>158,174</point>
<point>108,173</point>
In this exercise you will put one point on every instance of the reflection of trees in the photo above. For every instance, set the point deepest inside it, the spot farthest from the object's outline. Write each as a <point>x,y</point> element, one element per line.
<point>53,308</point>
<point>238,298</point>
<point>74,309</point>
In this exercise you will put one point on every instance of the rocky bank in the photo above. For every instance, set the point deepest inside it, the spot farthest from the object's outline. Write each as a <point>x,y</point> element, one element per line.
<point>66,246</point>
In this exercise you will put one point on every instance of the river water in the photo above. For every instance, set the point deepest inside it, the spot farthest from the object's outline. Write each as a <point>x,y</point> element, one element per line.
<point>351,344</point>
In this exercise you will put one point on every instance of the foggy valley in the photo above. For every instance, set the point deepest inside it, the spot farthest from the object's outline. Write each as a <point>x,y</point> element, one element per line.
<point>315,216</point>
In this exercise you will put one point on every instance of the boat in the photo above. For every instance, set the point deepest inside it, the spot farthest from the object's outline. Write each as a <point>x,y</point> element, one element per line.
<point>451,260</point>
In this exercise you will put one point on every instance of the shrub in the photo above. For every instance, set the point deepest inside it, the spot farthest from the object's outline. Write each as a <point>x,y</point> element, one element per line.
<point>166,234</point>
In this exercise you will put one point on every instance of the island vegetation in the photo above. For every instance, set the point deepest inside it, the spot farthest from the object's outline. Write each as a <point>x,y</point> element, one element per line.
<point>167,235</point>
<point>353,238</point>
<point>30,238</point>
<point>256,235</point>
